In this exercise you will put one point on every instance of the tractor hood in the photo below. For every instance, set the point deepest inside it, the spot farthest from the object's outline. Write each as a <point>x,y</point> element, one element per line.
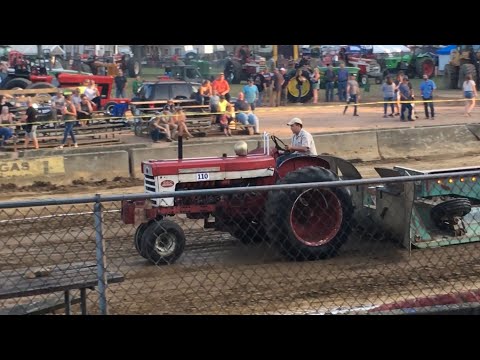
<point>242,166</point>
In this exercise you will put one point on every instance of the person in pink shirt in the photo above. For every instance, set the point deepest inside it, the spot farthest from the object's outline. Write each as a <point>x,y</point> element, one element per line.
<point>222,86</point>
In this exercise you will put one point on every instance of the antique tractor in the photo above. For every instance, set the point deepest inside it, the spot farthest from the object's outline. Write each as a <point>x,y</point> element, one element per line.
<point>305,224</point>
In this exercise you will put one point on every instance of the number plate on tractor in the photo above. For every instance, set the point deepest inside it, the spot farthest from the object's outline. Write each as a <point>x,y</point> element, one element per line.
<point>203,176</point>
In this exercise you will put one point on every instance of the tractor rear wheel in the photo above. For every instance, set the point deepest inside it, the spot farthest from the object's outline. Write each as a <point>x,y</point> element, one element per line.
<point>133,67</point>
<point>425,66</point>
<point>17,83</point>
<point>162,242</point>
<point>450,77</point>
<point>309,224</point>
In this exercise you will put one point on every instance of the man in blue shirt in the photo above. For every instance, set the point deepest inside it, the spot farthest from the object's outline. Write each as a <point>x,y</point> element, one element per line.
<point>251,93</point>
<point>426,89</point>
<point>405,95</point>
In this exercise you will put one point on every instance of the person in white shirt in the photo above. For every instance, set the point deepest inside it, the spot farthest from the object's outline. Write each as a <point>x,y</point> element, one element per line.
<point>302,143</point>
<point>470,93</point>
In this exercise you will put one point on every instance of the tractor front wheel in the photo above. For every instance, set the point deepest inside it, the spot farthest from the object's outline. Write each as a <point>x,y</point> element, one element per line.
<point>163,242</point>
<point>309,224</point>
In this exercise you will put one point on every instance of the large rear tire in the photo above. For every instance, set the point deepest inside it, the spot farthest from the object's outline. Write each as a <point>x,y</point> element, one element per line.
<point>17,83</point>
<point>450,77</point>
<point>163,242</point>
<point>309,224</point>
<point>134,67</point>
<point>425,66</point>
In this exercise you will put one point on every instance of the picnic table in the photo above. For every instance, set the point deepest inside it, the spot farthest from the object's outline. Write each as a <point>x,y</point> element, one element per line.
<point>61,278</point>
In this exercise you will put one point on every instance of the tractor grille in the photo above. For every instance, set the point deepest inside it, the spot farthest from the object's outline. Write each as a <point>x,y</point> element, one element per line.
<point>150,185</point>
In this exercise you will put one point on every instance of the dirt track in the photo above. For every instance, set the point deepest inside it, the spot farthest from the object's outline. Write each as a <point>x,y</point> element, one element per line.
<point>218,274</point>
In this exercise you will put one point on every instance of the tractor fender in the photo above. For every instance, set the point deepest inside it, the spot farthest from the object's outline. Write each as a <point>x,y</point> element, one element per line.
<point>295,163</point>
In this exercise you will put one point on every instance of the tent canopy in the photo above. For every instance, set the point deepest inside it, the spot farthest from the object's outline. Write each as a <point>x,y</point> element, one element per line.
<point>388,49</point>
<point>446,50</point>
<point>32,49</point>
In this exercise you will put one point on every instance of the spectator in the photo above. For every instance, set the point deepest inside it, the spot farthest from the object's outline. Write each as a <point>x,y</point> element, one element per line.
<point>180,120</point>
<point>170,106</point>
<point>120,84</point>
<point>251,93</point>
<point>84,110</point>
<point>70,117</point>
<point>405,96</point>
<point>330,84</point>
<point>244,114</point>
<point>353,93</point>
<point>6,119</point>
<point>342,78</point>
<point>426,90</point>
<point>388,90</point>
<point>315,79</point>
<point>160,126</point>
<point>58,101</point>
<point>302,142</point>
<point>286,79</point>
<point>470,93</point>
<point>397,83</point>
<point>214,101</point>
<point>93,94</point>
<point>267,87</point>
<point>205,92</point>
<point>168,122</point>
<point>259,81</point>
<point>278,81</point>
<point>136,84</point>
<point>30,118</point>
<point>222,86</point>
<point>76,98</point>
<point>5,102</point>
<point>222,108</point>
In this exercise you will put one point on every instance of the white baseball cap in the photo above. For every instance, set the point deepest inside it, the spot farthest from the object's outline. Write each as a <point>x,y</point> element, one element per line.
<point>295,121</point>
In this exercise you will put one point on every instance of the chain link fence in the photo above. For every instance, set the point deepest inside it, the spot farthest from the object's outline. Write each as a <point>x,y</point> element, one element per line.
<point>381,246</point>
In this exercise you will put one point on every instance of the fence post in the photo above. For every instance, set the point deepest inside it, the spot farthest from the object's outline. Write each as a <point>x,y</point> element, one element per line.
<point>100,251</point>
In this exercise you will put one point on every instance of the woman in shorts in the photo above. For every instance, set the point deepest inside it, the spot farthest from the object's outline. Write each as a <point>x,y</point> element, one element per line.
<point>470,93</point>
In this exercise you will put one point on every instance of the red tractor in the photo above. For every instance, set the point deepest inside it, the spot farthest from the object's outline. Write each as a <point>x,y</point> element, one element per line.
<point>305,224</point>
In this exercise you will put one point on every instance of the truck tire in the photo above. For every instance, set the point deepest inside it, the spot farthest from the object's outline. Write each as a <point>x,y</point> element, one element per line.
<point>134,67</point>
<point>17,83</point>
<point>425,66</point>
<point>309,224</point>
<point>163,242</point>
<point>466,69</point>
<point>450,77</point>
<point>442,213</point>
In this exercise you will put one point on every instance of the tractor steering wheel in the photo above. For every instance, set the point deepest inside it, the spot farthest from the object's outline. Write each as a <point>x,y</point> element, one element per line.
<point>278,144</point>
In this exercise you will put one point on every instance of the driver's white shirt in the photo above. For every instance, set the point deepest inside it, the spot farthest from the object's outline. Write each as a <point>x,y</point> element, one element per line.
<point>304,138</point>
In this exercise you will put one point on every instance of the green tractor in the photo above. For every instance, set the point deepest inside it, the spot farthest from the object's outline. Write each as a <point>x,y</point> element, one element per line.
<point>420,61</point>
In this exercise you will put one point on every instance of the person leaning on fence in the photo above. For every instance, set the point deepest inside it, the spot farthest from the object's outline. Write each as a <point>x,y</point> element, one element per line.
<point>70,117</point>
<point>470,93</point>
<point>302,142</point>
<point>30,118</point>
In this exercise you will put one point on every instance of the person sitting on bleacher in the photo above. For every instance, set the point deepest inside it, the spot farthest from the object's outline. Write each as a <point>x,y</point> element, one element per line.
<point>244,113</point>
<point>84,110</point>
<point>6,118</point>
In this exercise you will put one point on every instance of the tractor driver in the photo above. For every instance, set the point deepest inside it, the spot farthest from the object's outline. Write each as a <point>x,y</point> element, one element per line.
<point>302,143</point>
